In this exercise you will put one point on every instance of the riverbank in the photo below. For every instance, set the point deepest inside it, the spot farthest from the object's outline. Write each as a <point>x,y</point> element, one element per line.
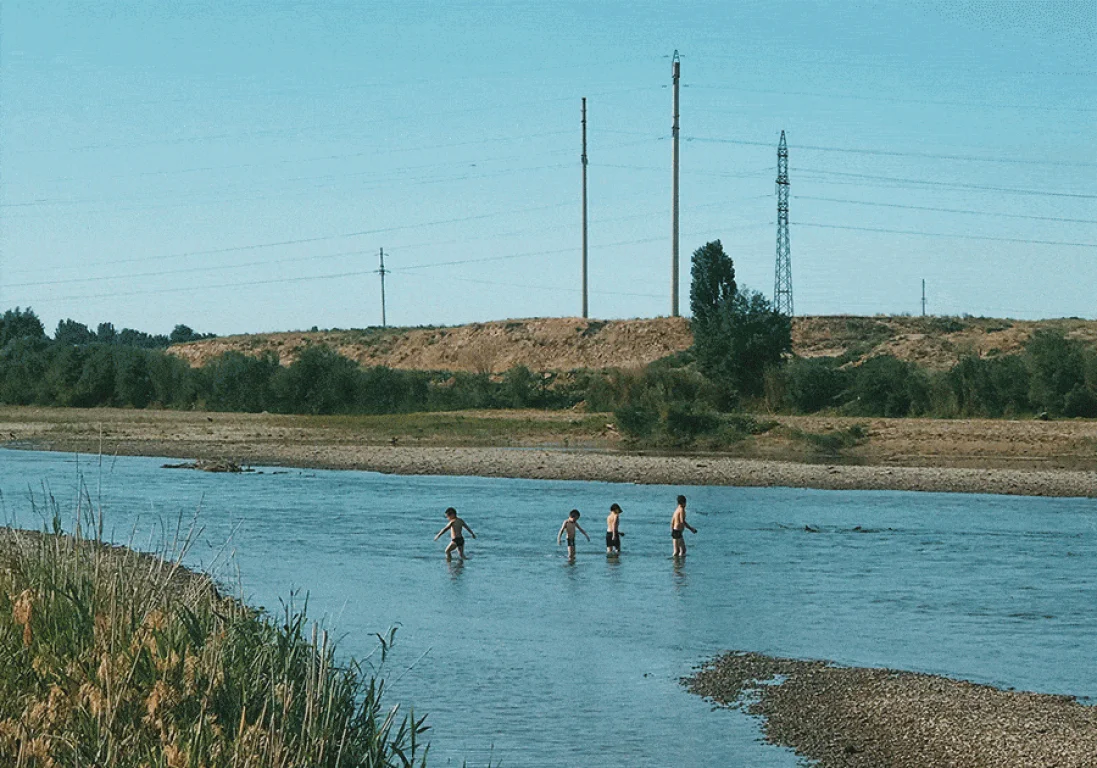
<point>109,656</point>
<point>965,456</point>
<point>879,718</point>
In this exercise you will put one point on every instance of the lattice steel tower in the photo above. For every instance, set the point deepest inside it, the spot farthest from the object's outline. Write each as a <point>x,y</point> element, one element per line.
<point>782,279</point>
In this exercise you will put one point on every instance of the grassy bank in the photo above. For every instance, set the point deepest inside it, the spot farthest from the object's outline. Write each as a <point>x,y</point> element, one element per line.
<point>109,657</point>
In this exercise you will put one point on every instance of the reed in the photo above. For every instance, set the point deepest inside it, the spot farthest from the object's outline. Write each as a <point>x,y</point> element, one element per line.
<point>113,658</point>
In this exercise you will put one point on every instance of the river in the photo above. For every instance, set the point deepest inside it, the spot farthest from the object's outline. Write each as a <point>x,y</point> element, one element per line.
<point>521,657</point>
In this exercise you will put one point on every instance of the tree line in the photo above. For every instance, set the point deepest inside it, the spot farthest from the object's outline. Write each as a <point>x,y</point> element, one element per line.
<point>740,360</point>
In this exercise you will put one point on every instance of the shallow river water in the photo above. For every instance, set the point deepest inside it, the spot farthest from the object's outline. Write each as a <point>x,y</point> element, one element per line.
<point>523,658</point>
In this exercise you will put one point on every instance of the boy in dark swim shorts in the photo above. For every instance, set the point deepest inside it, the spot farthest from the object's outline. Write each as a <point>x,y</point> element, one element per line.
<point>678,525</point>
<point>570,526</point>
<point>613,532</point>
<point>456,527</point>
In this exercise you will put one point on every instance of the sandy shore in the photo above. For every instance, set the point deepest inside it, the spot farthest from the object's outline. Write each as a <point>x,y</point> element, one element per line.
<point>1031,458</point>
<point>880,718</point>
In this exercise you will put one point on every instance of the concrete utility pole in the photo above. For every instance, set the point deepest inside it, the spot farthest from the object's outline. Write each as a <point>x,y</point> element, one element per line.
<point>584,158</point>
<point>382,272</point>
<point>675,72</point>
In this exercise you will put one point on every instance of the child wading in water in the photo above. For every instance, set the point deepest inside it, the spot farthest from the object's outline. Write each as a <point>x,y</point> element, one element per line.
<point>456,527</point>
<point>571,525</point>
<point>613,532</point>
<point>678,525</point>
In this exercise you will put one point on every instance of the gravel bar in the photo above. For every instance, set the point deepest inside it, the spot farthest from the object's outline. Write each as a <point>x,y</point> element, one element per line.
<point>848,717</point>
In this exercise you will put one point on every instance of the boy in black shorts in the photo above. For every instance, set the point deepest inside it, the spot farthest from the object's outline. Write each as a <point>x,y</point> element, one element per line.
<point>613,531</point>
<point>456,527</point>
<point>678,525</point>
<point>570,526</point>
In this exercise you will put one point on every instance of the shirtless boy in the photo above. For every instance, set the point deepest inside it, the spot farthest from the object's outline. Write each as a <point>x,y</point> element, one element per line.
<point>571,525</point>
<point>456,527</point>
<point>678,525</point>
<point>613,532</point>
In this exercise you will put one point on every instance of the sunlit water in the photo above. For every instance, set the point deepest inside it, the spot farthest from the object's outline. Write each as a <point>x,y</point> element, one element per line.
<point>526,659</point>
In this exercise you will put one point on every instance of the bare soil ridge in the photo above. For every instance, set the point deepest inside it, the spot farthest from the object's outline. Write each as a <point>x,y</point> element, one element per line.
<point>564,344</point>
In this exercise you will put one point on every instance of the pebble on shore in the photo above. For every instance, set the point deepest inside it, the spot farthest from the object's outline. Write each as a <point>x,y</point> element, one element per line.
<point>848,717</point>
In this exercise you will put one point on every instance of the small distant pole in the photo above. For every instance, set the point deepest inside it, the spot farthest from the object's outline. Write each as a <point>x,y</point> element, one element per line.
<point>382,272</point>
<point>923,297</point>
<point>675,75</point>
<point>584,158</point>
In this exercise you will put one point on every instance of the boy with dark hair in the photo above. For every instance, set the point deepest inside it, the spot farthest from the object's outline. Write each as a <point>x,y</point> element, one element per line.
<point>678,525</point>
<point>571,525</point>
<point>613,531</point>
<point>456,527</point>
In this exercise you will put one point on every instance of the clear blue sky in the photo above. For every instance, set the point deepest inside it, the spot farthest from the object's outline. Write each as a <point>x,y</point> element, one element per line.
<point>236,166</point>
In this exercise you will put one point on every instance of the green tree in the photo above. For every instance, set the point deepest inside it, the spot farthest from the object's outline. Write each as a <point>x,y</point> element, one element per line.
<point>744,338</point>
<point>183,333</point>
<point>20,324</point>
<point>238,382</point>
<point>72,332</point>
<point>1058,368</point>
<point>319,381</point>
<point>131,379</point>
<point>23,366</point>
<point>713,282</point>
<point>105,333</point>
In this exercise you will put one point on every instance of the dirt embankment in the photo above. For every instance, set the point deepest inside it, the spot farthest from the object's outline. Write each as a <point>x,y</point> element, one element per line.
<point>934,342</point>
<point>543,344</point>
<point>564,344</point>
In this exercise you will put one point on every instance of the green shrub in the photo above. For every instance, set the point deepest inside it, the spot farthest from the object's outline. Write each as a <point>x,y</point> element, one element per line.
<point>813,384</point>
<point>1080,401</point>
<point>1058,368</point>
<point>887,386</point>
<point>636,421</point>
<point>684,422</point>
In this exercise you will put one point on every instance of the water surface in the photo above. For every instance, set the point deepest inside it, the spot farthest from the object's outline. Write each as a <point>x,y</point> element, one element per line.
<point>525,658</point>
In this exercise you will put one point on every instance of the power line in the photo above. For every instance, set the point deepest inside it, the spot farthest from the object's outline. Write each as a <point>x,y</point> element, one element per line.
<point>946,210</point>
<point>358,252</point>
<point>400,270</point>
<point>198,198</point>
<point>317,239</point>
<point>897,99</point>
<point>298,130</point>
<point>527,286</point>
<point>896,153</point>
<point>947,235</point>
<point>319,158</point>
<point>950,184</point>
<point>379,182</point>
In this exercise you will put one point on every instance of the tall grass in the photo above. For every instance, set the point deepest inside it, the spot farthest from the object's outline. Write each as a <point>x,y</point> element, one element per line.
<point>113,658</point>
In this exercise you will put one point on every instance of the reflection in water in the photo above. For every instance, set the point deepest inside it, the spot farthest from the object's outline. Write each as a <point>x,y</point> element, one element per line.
<point>526,647</point>
<point>678,566</point>
<point>455,567</point>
